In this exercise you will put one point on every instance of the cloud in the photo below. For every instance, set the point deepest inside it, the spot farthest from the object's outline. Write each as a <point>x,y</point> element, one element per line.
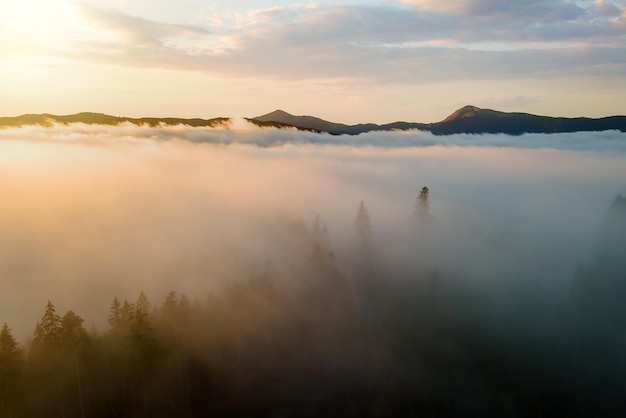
<point>136,30</point>
<point>385,43</point>
<point>95,212</point>
<point>601,8</point>
<point>135,40</point>
<point>536,9</point>
<point>243,133</point>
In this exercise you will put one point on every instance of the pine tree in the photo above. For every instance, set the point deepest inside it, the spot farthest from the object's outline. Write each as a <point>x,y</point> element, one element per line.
<point>46,361</point>
<point>320,234</point>
<point>169,309</point>
<point>9,349</point>
<point>73,338</point>
<point>422,207</point>
<point>363,228</point>
<point>115,314</point>
<point>143,348</point>
<point>48,330</point>
<point>168,316</point>
<point>184,309</point>
<point>142,307</point>
<point>10,370</point>
<point>365,246</point>
<point>73,334</point>
<point>127,312</point>
<point>142,332</point>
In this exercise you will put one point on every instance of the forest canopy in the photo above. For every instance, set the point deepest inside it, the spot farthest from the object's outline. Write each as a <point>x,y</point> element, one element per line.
<point>305,338</point>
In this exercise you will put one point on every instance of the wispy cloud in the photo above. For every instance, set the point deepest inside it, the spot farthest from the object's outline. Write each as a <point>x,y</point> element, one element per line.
<point>535,9</point>
<point>136,30</point>
<point>405,43</point>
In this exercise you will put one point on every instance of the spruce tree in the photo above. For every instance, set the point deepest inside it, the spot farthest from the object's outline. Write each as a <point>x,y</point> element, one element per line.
<point>48,330</point>
<point>9,349</point>
<point>115,314</point>
<point>142,337</point>
<point>10,370</point>
<point>422,207</point>
<point>365,247</point>
<point>73,333</point>
<point>363,228</point>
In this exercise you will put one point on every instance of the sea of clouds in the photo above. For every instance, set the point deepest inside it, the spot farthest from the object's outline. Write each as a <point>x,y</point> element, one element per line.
<point>93,212</point>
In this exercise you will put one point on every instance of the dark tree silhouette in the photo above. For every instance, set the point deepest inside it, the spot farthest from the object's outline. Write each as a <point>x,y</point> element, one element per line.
<point>73,338</point>
<point>365,245</point>
<point>115,314</point>
<point>363,227</point>
<point>10,370</point>
<point>422,207</point>
<point>48,330</point>
<point>320,233</point>
<point>72,333</point>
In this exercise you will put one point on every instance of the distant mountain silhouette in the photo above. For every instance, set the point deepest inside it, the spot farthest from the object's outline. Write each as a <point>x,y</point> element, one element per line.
<point>46,119</point>
<point>310,123</point>
<point>468,119</point>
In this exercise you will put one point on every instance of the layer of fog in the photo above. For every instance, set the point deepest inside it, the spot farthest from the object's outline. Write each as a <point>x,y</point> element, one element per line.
<point>243,132</point>
<point>89,213</point>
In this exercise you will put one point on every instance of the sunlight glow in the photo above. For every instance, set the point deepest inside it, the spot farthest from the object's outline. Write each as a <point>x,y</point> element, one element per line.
<point>33,23</point>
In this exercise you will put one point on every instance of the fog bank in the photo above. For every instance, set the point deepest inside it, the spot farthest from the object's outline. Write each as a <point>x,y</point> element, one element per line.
<point>90,213</point>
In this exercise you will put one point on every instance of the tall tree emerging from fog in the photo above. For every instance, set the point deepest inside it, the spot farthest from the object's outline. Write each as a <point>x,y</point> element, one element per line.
<point>73,334</point>
<point>73,338</point>
<point>422,207</point>
<point>142,337</point>
<point>363,227</point>
<point>46,363</point>
<point>320,233</point>
<point>9,349</point>
<point>48,331</point>
<point>365,245</point>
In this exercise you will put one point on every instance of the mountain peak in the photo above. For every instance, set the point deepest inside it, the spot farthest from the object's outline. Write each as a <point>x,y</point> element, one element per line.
<point>276,115</point>
<point>464,112</point>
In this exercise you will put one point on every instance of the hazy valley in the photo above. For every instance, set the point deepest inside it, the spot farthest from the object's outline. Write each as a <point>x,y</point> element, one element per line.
<point>312,276</point>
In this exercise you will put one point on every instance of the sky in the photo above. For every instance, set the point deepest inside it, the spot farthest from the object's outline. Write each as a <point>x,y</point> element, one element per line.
<point>354,61</point>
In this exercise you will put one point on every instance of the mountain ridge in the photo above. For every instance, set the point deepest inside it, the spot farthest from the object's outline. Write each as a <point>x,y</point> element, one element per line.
<point>465,120</point>
<point>93,118</point>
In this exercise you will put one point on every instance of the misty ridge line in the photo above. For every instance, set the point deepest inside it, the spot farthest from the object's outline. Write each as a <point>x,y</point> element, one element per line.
<point>89,118</point>
<point>243,132</point>
<point>468,119</point>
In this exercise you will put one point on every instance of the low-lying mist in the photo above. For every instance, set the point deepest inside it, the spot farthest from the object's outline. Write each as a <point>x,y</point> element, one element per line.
<point>91,213</point>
